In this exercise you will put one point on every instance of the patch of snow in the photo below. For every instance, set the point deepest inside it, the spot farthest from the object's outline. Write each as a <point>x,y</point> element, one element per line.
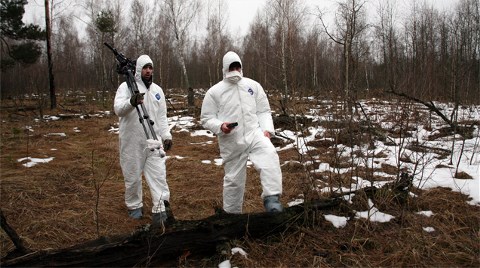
<point>225,264</point>
<point>428,229</point>
<point>427,213</point>
<point>295,202</point>
<point>373,214</point>
<point>34,161</point>
<point>113,130</point>
<point>240,251</point>
<point>337,221</point>
<point>55,134</point>
<point>207,133</point>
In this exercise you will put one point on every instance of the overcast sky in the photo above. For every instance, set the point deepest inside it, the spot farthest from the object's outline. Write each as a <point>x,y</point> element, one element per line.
<point>242,12</point>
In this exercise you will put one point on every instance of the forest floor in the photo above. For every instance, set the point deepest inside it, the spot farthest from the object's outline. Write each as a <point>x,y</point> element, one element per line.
<point>79,196</point>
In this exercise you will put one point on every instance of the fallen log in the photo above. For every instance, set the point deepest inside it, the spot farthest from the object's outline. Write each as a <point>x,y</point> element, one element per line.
<point>153,246</point>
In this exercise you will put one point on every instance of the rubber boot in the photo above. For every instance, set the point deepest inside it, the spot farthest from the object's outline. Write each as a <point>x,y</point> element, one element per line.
<point>135,213</point>
<point>272,204</point>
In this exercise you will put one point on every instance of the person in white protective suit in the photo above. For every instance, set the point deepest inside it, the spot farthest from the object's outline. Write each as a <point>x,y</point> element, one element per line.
<point>237,99</point>
<point>135,157</point>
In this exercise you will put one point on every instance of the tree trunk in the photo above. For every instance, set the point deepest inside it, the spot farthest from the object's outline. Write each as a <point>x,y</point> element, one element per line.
<point>53,98</point>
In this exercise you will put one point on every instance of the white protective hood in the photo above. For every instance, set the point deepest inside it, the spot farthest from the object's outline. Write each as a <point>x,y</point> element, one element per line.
<point>141,62</point>
<point>229,58</point>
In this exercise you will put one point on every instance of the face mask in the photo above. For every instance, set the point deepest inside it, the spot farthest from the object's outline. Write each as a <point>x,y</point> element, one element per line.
<point>234,76</point>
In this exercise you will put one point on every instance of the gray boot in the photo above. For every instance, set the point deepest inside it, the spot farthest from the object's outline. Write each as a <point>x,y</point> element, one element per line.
<point>135,213</point>
<point>159,218</point>
<point>272,204</point>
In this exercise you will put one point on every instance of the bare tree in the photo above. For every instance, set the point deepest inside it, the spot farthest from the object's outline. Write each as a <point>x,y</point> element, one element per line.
<point>69,55</point>
<point>162,50</point>
<point>350,22</point>
<point>103,25</point>
<point>256,48</point>
<point>428,55</point>
<point>53,98</point>
<point>141,19</point>
<point>287,18</point>
<point>466,26</point>
<point>107,26</point>
<point>180,15</point>
<point>216,41</point>
<point>387,36</point>
<point>50,6</point>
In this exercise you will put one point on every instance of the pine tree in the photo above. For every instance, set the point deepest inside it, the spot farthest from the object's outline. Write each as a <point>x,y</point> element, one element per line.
<point>18,40</point>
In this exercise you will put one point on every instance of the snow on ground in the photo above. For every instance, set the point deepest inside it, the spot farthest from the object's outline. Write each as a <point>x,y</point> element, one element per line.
<point>430,168</point>
<point>30,161</point>
<point>373,214</point>
<point>427,213</point>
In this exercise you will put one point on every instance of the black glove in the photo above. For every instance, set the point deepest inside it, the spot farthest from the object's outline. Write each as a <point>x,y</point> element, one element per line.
<point>167,145</point>
<point>136,99</point>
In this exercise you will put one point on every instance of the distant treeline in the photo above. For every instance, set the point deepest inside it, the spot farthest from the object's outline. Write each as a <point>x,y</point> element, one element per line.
<point>289,48</point>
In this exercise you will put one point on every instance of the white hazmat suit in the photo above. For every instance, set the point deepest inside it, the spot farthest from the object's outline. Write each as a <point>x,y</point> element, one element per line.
<point>242,100</point>
<point>135,158</point>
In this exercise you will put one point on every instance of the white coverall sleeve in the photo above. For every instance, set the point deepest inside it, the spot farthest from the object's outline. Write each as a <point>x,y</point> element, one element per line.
<point>122,105</point>
<point>208,116</point>
<point>264,113</point>
<point>163,121</point>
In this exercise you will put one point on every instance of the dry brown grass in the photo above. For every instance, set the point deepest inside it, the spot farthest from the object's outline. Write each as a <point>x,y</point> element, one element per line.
<point>53,205</point>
